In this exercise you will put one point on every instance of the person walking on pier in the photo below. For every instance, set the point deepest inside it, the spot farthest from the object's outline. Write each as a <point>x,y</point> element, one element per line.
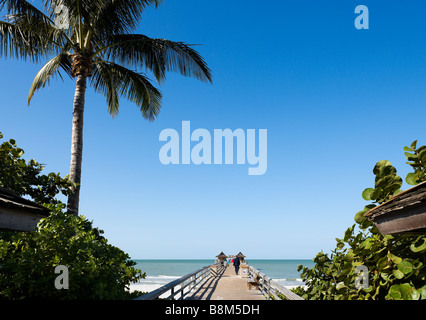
<point>237,265</point>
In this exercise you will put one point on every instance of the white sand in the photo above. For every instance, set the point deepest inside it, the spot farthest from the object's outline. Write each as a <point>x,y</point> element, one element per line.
<point>147,288</point>
<point>144,287</point>
<point>151,287</point>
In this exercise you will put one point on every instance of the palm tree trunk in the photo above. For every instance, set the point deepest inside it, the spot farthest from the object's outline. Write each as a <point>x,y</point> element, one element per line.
<point>77,144</point>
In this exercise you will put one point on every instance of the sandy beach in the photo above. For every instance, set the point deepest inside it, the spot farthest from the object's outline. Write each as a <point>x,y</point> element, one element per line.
<point>150,287</point>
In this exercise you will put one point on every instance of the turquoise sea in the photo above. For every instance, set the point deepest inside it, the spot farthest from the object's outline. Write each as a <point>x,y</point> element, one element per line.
<point>160,272</point>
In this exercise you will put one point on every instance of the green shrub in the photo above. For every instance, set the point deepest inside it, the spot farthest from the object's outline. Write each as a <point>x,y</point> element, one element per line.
<point>97,270</point>
<point>396,263</point>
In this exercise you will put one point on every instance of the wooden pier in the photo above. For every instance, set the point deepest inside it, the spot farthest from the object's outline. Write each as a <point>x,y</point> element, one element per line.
<point>226,286</point>
<point>219,282</point>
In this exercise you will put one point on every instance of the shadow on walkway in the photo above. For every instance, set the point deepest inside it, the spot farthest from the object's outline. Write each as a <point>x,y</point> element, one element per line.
<point>206,290</point>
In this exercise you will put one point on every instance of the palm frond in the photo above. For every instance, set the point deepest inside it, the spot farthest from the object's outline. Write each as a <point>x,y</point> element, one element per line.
<point>17,43</point>
<point>24,7</point>
<point>50,38</point>
<point>157,55</point>
<point>24,30</point>
<point>104,83</point>
<point>48,71</point>
<point>120,16</point>
<point>28,31</point>
<point>113,80</point>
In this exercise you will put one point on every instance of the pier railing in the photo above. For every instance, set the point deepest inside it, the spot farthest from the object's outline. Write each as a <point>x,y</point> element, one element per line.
<point>182,286</point>
<point>271,288</point>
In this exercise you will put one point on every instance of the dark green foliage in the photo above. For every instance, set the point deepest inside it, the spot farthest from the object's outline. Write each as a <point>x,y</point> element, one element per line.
<point>387,183</point>
<point>97,270</point>
<point>25,177</point>
<point>417,159</point>
<point>396,263</point>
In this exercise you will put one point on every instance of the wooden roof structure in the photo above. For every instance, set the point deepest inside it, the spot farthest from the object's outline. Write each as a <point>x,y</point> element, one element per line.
<point>221,255</point>
<point>19,214</point>
<point>403,213</point>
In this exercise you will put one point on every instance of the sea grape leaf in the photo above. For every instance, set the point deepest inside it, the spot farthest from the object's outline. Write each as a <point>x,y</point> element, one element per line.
<point>405,266</point>
<point>398,274</point>
<point>359,217</point>
<point>394,293</point>
<point>366,194</point>
<point>340,285</point>
<point>411,178</point>
<point>408,292</point>
<point>422,292</point>
<point>420,248</point>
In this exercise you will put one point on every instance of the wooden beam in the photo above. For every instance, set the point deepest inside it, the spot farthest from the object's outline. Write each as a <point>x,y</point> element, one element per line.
<point>404,220</point>
<point>403,213</point>
<point>18,220</point>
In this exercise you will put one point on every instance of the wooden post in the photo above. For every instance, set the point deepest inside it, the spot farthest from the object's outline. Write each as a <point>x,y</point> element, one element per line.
<point>181,292</point>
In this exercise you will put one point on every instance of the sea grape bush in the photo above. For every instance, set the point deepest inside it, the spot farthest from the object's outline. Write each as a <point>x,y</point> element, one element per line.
<point>97,269</point>
<point>396,263</point>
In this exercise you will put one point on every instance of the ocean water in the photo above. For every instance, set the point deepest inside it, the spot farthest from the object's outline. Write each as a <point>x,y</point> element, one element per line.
<point>161,272</point>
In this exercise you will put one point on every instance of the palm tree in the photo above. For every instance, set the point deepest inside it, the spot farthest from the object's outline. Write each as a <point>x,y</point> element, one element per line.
<point>97,46</point>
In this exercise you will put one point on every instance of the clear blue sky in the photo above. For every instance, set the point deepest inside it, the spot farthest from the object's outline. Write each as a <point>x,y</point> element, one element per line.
<point>334,99</point>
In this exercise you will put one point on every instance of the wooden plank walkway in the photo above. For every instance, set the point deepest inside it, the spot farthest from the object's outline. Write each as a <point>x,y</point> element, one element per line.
<point>225,286</point>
